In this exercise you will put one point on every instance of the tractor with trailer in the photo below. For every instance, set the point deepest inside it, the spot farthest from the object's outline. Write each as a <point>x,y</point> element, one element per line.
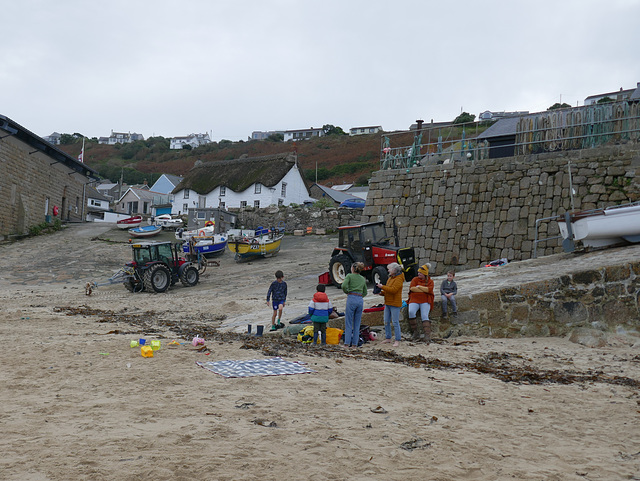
<point>369,244</point>
<point>156,266</point>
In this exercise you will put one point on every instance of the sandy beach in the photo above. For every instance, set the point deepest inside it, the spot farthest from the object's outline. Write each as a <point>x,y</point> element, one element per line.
<point>79,403</point>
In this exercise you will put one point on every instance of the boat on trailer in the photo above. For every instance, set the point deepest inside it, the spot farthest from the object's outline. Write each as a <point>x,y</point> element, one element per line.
<point>208,245</point>
<point>597,228</point>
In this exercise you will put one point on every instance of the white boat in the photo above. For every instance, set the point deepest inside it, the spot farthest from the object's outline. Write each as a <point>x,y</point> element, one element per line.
<point>166,221</point>
<point>185,235</point>
<point>601,227</point>
<point>145,231</point>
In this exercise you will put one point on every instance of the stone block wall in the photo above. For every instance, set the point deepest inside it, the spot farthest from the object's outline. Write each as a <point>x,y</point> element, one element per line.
<point>296,218</point>
<point>464,215</point>
<point>605,299</point>
<point>27,181</point>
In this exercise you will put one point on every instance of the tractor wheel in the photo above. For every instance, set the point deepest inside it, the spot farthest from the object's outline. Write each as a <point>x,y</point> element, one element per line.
<point>157,278</point>
<point>189,276</point>
<point>379,275</point>
<point>339,267</point>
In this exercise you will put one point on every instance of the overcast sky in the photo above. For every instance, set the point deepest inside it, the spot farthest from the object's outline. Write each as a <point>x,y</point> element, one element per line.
<point>171,68</point>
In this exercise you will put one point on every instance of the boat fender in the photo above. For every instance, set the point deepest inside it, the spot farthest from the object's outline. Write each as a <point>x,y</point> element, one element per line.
<point>179,232</point>
<point>201,233</point>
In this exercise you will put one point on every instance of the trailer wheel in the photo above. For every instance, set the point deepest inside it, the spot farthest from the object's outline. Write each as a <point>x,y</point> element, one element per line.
<point>157,278</point>
<point>189,277</point>
<point>379,275</point>
<point>339,267</point>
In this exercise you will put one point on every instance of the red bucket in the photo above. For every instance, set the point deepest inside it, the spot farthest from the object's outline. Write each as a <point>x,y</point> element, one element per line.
<point>324,279</point>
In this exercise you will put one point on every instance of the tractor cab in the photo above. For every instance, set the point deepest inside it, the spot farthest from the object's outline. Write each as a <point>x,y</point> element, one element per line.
<point>370,244</point>
<point>146,252</point>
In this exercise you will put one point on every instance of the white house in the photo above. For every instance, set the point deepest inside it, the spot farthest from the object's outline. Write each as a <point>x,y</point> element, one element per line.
<point>365,130</point>
<point>302,134</point>
<point>54,138</point>
<point>120,138</point>
<point>248,182</point>
<point>141,201</point>
<point>97,203</point>
<point>194,140</point>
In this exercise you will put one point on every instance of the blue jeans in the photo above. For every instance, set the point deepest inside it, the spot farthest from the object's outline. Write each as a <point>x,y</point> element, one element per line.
<point>392,314</point>
<point>453,305</point>
<point>352,318</point>
<point>425,307</point>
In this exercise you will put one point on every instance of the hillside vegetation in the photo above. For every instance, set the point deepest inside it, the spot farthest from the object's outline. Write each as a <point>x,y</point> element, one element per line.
<point>332,159</point>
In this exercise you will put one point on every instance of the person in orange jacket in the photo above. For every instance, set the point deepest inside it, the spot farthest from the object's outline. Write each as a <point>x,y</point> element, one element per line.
<point>392,292</point>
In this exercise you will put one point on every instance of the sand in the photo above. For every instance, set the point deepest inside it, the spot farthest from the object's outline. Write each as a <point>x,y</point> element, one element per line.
<point>79,403</point>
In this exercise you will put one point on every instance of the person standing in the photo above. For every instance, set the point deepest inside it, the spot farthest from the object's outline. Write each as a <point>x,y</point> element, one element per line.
<point>448,291</point>
<point>355,286</point>
<point>320,308</point>
<point>421,297</point>
<point>392,292</point>
<point>278,294</point>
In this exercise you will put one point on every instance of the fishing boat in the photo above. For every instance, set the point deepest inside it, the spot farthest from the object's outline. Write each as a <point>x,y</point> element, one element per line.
<point>208,246</point>
<point>185,235</point>
<point>129,222</point>
<point>145,231</point>
<point>259,243</point>
<point>166,221</point>
<point>601,227</point>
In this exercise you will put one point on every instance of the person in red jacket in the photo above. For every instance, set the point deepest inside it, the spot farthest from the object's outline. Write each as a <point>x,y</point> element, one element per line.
<point>421,297</point>
<point>392,292</point>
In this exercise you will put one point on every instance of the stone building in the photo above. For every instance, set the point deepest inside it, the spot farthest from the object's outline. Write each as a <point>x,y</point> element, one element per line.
<point>38,182</point>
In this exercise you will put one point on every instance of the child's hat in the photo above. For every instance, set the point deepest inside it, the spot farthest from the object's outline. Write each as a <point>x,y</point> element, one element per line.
<point>424,269</point>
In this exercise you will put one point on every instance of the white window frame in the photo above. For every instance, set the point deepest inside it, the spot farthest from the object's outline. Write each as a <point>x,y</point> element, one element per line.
<point>186,194</point>
<point>283,190</point>
<point>243,204</point>
<point>258,188</point>
<point>256,204</point>
<point>223,191</point>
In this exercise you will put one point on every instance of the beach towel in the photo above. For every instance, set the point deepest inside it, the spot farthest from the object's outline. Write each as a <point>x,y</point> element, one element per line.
<point>275,366</point>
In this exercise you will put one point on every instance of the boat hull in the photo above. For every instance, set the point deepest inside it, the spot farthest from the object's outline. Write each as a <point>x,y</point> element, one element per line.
<point>146,231</point>
<point>604,227</point>
<point>246,249</point>
<point>206,246</point>
<point>130,222</point>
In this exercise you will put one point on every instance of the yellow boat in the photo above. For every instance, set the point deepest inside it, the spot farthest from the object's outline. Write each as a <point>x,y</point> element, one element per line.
<point>246,247</point>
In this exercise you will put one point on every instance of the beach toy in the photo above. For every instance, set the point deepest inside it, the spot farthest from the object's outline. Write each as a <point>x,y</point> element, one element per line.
<point>373,336</point>
<point>155,345</point>
<point>133,343</point>
<point>146,351</point>
<point>197,341</point>
<point>142,341</point>
<point>174,343</point>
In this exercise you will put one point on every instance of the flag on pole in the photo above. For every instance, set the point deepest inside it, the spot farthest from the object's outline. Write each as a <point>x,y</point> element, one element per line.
<point>81,156</point>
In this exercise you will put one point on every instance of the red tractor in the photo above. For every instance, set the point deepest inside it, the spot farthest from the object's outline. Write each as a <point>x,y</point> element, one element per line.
<point>369,244</point>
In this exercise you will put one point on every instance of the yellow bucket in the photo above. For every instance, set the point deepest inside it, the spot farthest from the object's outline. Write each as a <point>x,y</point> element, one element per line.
<point>146,351</point>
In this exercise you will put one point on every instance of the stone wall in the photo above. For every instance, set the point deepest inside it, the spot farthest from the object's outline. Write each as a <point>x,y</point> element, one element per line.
<point>296,218</point>
<point>27,180</point>
<point>605,299</point>
<point>464,215</point>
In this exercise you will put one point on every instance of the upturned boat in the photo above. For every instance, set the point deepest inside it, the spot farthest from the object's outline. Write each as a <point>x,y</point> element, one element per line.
<point>166,221</point>
<point>601,227</point>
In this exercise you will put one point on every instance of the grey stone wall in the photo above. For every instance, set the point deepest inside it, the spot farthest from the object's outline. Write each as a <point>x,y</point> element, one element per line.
<point>464,215</point>
<point>26,181</point>
<point>296,218</point>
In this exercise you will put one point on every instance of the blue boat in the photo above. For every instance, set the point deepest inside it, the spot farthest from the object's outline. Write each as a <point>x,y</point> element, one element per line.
<point>208,246</point>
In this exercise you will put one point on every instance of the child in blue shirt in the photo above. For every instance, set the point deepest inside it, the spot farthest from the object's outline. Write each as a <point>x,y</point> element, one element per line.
<point>278,294</point>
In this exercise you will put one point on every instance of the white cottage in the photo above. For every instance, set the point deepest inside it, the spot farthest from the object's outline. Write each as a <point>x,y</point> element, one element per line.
<point>248,182</point>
